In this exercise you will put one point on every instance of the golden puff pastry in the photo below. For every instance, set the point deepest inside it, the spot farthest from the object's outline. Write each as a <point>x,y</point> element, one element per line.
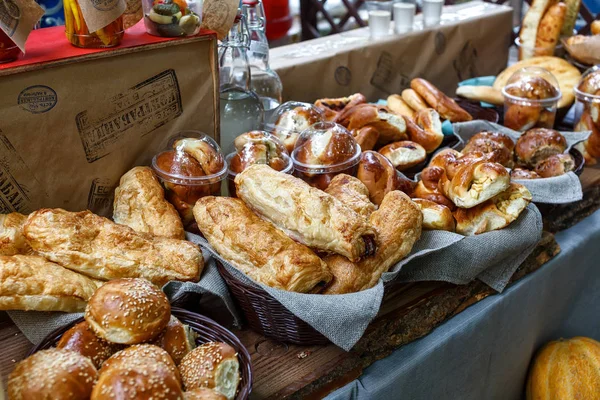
<point>398,223</point>
<point>140,204</point>
<point>99,248</point>
<point>306,214</point>
<point>32,283</point>
<point>12,240</point>
<point>257,248</point>
<point>496,213</point>
<point>353,193</point>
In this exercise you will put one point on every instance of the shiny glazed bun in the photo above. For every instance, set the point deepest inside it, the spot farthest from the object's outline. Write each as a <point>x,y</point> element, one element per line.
<point>140,372</point>
<point>291,123</point>
<point>213,365</point>
<point>258,147</point>
<point>378,174</point>
<point>532,88</point>
<point>81,339</point>
<point>537,144</point>
<point>436,216</point>
<point>53,374</point>
<point>177,339</point>
<point>520,173</point>
<point>203,394</point>
<point>556,165</point>
<point>497,146</point>
<point>333,146</point>
<point>404,155</point>
<point>128,311</point>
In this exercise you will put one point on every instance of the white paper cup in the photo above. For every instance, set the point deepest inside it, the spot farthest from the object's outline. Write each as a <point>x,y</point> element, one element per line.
<point>432,12</point>
<point>404,14</point>
<point>380,17</point>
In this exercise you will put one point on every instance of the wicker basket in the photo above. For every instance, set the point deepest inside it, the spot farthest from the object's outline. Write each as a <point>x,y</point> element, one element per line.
<point>269,317</point>
<point>207,330</point>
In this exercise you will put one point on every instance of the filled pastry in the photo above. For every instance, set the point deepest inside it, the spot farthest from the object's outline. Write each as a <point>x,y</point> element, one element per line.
<point>353,193</point>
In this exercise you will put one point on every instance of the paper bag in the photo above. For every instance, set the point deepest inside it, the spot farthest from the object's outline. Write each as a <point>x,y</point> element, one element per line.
<point>17,19</point>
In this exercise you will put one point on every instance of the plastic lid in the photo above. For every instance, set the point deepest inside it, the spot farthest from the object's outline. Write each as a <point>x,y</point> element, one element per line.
<point>588,88</point>
<point>532,84</point>
<point>191,158</point>
<point>325,147</point>
<point>293,117</point>
<point>260,147</point>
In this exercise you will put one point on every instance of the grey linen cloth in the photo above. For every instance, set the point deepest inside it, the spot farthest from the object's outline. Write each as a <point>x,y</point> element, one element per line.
<point>36,325</point>
<point>556,190</point>
<point>439,256</point>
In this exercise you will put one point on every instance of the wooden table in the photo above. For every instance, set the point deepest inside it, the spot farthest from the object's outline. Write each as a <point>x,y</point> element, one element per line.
<point>409,311</point>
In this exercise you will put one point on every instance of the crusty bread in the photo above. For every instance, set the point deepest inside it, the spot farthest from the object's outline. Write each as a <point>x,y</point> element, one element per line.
<point>481,93</point>
<point>398,105</point>
<point>530,25</point>
<point>549,30</point>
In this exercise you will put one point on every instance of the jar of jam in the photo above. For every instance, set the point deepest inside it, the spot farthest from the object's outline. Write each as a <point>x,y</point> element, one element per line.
<point>9,51</point>
<point>79,35</point>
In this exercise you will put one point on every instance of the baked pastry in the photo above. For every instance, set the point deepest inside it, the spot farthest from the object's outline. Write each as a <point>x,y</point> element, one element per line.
<point>530,26</point>
<point>203,394</point>
<point>397,104</point>
<point>474,183</point>
<point>176,339</point>
<point>99,248</point>
<point>352,193</point>
<point>432,194</point>
<point>32,283</point>
<point>12,241</point>
<point>398,224</point>
<point>481,93</point>
<point>444,105</point>
<point>436,216</point>
<point>55,374</point>
<point>391,127</point>
<point>520,173</point>
<point>331,108</point>
<point>82,339</point>
<point>140,372</point>
<point>331,145</point>
<point>549,29</point>
<point>556,165</point>
<point>213,365</point>
<point>537,144</point>
<point>426,129</point>
<point>128,311</point>
<point>306,214</point>
<point>292,122</point>
<point>257,248</point>
<point>566,74</point>
<point>496,213</point>
<point>414,100</point>
<point>366,137</point>
<point>378,174</point>
<point>497,146</point>
<point>444,157</point>
<point>258,147</point>
<point>404,155</point>
<point>140,204</point>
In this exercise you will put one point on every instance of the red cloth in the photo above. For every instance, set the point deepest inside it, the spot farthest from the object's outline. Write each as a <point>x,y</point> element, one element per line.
<point>50,44</point>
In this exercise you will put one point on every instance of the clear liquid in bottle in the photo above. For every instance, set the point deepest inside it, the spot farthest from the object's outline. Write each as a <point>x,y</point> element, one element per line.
<point>241,111</point>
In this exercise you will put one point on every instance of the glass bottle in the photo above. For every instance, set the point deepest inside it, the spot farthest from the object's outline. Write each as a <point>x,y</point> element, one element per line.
<point>241,108</point>
<point>265,81</point>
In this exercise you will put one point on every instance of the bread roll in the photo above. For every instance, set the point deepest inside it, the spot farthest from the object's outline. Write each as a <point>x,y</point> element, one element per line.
<point>397,104</point>
<point>96,247</point>
<point>556,165</point>
<point>258,147</point>
<point>82,339</point>
<point>520,173</point>
<point>210,160</point>
<point>332,107</point>
<point>203,394</point>
<point>391,127</point>
<point>549,29</point>
<point>213,365</point>
<point>128,311</point>
<point>430,135</point>
<point>257,248</point>
<point>436,216</point>
<point>398,224</point>
<point>32,283</point>
<point>176,339</point>
<point>140,204</point>
<point>444,157</point>
<point>352,193</point>
<point>422,192</point>
<point>522,117</point>
<point>481,93</point>
<point>444,105</point>
<point>55,374</point>
<point>497,146</point>
<point>404,155</point>
<point>496,213</point>
<point>530,25</point>
<point>414,100</point>
<point>140,372</point>
<point>12,241</point>
<point>366,137</point>
<point>532,88</point>
<point>378,174</point>
<point>334,146</point>
<point>537,144</point>
<point>291,123</point>
<point>475,183</point>
<point>306,214</point>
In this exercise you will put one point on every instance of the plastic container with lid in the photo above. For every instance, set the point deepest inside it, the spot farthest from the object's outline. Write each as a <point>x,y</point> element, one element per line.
<point>191,167</point>
<point>78,34</point>
<point>587,107</point>
<point>531,97</point>
<point>290,119</point>
<point>9,51</point>
<point>172,18</point>
<point>256,147</point>
<point>323,151</point>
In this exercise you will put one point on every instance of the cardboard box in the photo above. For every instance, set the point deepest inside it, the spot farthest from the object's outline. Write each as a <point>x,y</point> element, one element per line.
<point>73,121</point>
<point>473,40</point>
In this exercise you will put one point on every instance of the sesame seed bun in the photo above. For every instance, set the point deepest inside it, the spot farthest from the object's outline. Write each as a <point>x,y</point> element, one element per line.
<point>177,339</point>
<point>128,311</point>
<point>81,339</point>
